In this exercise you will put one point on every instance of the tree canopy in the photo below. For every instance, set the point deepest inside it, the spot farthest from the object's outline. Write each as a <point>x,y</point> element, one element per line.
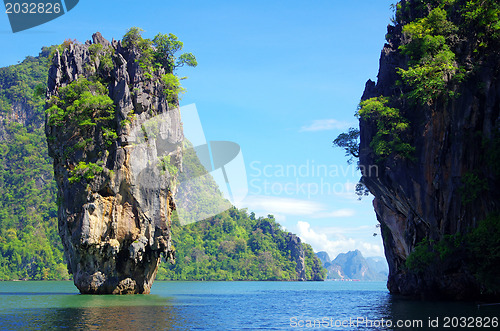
<point>161,51</point>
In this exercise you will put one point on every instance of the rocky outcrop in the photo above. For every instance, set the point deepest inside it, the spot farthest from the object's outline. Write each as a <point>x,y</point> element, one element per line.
<point>427,196</point>
<point>292,244</point>
<point>24,107</point>
<point>115,201</point>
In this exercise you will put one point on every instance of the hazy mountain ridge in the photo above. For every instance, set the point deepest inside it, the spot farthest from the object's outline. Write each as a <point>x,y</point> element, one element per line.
<point>354,266</point>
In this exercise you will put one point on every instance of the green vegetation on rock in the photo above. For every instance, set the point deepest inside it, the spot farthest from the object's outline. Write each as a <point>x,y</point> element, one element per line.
<point>84,114</point>
<point>82,103</point>
<point>480,249</point>
<point>166,165</point>
<point>430,41</point>
<point>84,171</point>
<point>483,243</point>
<point>160,54</point>
<point>432,63</point>
<point>172,87</point>
<point>391,127</point>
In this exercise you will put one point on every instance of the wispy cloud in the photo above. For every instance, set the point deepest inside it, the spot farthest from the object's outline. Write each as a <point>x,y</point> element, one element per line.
<point>284,206</point>
<point>289,206</point>
<point>335,213</point>
<point>324,125</point>
<point>334,230</point>
<point>320,241</point>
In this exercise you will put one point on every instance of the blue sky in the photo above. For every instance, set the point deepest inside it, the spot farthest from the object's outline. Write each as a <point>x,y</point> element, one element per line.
<point>280,78</point>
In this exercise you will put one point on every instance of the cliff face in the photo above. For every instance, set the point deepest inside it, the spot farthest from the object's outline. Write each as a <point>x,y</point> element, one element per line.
<point>447,185</point>
<point>297,254</point>
<point>18,101</point>
<point>109,126</point>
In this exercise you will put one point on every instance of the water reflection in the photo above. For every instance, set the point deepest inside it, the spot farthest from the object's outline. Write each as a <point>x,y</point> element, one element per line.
<point>113,318</point>
<point>430,315</point>
<point>96,318</point>
<point>49,310</point>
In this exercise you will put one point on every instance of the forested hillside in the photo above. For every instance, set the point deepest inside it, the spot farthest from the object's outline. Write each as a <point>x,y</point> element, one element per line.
<point>236,246</point>
<point>30,247</point>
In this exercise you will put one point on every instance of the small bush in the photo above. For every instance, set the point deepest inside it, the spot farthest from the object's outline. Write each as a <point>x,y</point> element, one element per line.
<point>81,102</point>
<point>172,88</point>
<point>85,171</point>
<point>166,165</point>
<point>421,257</point>
<point>472,186</point>
<point>390,128</point>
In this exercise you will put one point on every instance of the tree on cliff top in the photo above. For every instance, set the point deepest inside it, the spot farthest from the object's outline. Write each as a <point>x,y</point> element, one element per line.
<point>161,50</point>
<point>161,53</point>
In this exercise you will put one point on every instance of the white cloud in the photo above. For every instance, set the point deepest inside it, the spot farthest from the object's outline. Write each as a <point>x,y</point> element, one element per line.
<point>375,250</point>
<point>324,125</point>
<point>341,244</point>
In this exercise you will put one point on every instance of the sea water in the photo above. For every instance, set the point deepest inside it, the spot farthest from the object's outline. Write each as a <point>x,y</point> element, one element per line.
<point>232,306</point>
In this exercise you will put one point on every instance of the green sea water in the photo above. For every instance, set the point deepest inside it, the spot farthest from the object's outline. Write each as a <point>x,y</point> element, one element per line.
<point>229,306</point>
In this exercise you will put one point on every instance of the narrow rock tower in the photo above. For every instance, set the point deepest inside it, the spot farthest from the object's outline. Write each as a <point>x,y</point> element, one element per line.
<point>114,131</point>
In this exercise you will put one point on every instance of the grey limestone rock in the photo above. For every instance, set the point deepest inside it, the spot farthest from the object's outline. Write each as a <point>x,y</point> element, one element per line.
<point>115,224</point>
<point>423,198</point>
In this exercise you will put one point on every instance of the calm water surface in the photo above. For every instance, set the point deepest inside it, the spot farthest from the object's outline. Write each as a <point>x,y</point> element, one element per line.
<point>226,306</point>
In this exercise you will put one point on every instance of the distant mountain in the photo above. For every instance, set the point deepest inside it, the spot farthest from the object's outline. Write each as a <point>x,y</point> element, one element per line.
<point>379,266</point>
<point>352,265</point>
<point>323,257</point>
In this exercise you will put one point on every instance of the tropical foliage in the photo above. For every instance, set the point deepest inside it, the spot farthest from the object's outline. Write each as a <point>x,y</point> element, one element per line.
<point>29,244</point>
<point>236,246</point>
<point>391,127</point>
<point>480,249</point>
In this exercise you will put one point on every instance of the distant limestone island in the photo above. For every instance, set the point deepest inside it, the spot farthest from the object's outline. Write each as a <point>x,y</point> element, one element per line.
<point>235,245</point>
<point>353,266</point>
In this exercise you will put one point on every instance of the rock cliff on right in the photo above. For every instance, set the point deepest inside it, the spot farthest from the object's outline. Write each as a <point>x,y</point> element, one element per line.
<point>429,148</point>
